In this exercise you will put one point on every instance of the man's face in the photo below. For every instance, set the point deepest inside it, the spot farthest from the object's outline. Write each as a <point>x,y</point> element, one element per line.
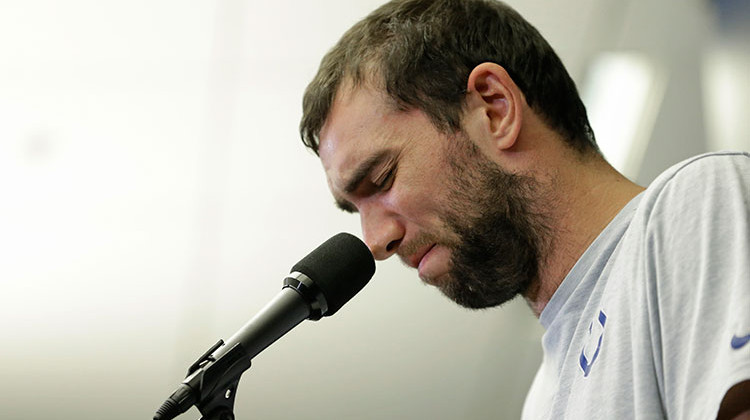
<point>433,199</point>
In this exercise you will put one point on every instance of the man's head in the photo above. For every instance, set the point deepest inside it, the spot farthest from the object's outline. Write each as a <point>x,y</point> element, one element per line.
<point>418,117</point>
<point>421,52</point>
<point>475,231</point>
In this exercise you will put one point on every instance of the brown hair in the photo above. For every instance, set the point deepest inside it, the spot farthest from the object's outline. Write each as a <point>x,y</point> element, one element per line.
<point>421,53</point>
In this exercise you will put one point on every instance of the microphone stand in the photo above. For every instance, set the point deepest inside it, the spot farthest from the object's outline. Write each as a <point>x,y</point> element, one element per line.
<point>220,406</point>
<point>218,379</point>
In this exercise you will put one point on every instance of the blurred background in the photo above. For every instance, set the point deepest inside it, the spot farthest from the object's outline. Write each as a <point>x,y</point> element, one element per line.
<point>154,193</point>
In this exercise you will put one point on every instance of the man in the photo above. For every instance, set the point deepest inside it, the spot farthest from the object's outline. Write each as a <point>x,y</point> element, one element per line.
<point>456,133</point>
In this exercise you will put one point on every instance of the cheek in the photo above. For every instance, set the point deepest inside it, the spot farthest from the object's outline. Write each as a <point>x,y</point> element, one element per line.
<point>421,188</point>
<point>418,204</point>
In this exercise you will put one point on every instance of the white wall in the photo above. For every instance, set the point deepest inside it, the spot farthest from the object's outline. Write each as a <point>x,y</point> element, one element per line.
<point>154,192</point>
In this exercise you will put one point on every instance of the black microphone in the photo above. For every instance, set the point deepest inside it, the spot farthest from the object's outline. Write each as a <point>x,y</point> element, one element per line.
<point>317,286</point>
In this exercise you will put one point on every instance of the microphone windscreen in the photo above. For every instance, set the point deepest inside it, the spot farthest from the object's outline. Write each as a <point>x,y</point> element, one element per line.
<point>340,267</point>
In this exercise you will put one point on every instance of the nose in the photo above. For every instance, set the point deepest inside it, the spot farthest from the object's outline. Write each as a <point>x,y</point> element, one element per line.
<point>382,231</point>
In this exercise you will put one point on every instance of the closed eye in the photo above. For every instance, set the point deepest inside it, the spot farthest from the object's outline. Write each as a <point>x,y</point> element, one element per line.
<point>384,182</point>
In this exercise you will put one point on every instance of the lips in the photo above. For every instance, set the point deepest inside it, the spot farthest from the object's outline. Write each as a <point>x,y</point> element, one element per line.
<point>415,259</point>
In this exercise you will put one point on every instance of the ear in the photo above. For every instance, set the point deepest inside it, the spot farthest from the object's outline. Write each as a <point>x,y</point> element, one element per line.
<point>496,104</point>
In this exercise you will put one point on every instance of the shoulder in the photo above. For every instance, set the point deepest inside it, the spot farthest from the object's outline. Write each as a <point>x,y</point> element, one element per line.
<point>692,233</point>
<point>696,185</point>
<point>703,170</point>
<point>696,239</point>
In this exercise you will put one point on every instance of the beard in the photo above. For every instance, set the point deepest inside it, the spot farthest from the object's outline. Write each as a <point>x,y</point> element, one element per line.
<point>499,236</point>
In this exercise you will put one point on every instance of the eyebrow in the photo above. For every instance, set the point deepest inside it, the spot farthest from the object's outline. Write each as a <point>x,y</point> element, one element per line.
<point>358,175</point>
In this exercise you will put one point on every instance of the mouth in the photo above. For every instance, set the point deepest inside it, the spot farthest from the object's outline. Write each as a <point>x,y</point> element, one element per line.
<point>415,259</point>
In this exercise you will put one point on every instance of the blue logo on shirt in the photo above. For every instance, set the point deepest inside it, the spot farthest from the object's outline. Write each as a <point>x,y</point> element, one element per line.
<point>739,342</point>
<point>583,360</point>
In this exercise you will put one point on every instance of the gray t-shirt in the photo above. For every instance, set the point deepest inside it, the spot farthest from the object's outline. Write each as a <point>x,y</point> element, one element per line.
<point>652,322</point>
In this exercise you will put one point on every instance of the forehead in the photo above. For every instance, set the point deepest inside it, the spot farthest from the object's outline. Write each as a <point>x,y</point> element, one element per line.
<point>365,129</point>
<point>356,125</point>
<point>363,120</point>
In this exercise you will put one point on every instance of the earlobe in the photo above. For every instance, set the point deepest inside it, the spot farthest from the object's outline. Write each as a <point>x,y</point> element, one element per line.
<point>500,102</point>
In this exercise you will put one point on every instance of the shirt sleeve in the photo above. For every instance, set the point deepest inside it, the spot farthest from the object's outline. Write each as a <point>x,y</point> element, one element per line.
<point>698,259</point>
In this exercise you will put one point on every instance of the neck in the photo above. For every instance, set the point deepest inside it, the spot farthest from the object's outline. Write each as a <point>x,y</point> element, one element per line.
<point>587,194</point>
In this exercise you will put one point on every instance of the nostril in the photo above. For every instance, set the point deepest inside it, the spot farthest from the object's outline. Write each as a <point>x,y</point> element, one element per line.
<point>392,245</point>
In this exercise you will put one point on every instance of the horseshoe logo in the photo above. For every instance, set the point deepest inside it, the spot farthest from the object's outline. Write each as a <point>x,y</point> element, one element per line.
<point>583,360</point>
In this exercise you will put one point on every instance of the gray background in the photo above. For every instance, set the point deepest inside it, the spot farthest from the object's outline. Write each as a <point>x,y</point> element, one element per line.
<point>154,192</point>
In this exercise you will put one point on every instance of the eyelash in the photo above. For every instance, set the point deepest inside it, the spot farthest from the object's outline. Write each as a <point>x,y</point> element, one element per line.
<point>387,181</point>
